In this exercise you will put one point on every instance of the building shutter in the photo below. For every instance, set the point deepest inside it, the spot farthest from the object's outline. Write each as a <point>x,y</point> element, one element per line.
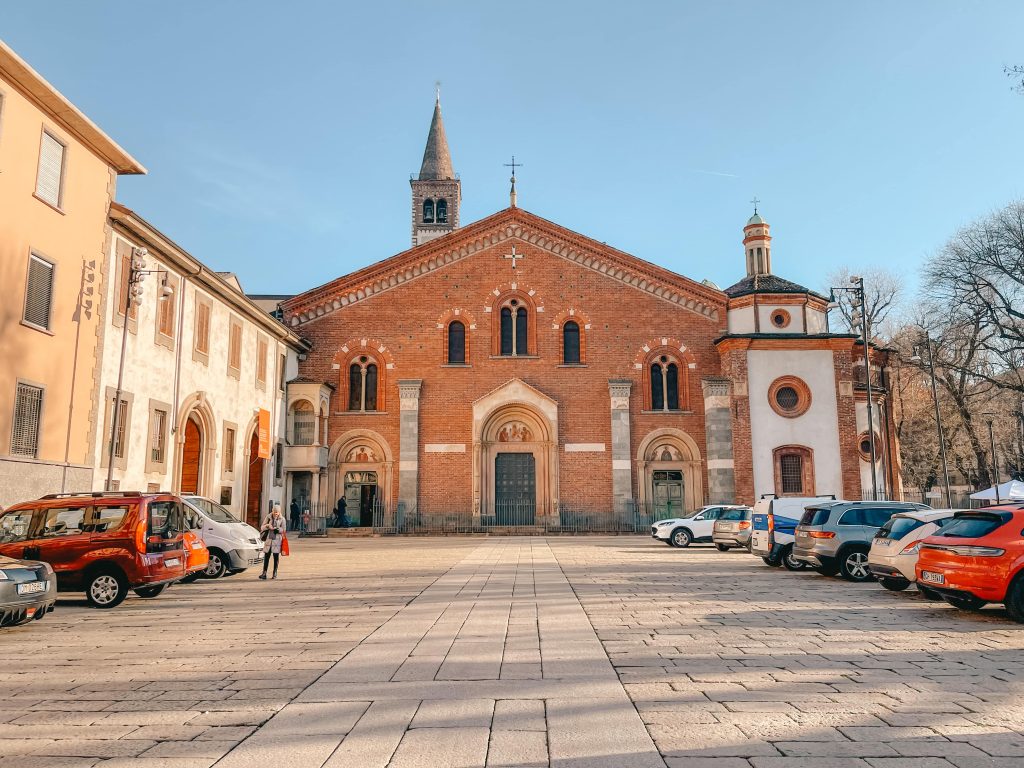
<point>51,168</point>
<point>28,410</point>
<point>39,292</point>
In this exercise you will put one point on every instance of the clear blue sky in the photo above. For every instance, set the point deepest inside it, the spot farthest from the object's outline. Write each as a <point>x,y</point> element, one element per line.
<point>280,137</point>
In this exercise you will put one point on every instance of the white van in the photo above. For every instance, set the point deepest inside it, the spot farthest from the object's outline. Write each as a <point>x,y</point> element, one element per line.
<point>234,545</point>
<point>774,525</point>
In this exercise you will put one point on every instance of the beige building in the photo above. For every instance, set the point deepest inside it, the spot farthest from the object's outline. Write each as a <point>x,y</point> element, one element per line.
<point>202,365</point>
<point>58,173</point>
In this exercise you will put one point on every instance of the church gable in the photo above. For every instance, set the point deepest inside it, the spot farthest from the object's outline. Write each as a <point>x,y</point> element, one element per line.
<point>510,224</point>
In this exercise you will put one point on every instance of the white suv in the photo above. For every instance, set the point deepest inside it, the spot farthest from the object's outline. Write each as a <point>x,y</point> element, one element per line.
<point>694,526</point>
<point>895,548</point>
<point>234,545</point>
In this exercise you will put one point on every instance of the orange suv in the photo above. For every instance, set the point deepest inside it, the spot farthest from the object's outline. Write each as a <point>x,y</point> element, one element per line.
<point>103,544</point>
<point>978,558</point>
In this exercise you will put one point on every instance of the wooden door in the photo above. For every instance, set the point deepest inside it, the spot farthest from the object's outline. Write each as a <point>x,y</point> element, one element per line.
<point>254,488</point>
<point>191,456</point>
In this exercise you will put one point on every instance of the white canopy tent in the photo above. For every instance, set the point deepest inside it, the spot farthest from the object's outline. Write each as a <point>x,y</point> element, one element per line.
<point>1011,490</point>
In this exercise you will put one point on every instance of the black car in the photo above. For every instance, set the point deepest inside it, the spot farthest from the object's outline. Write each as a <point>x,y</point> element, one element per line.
<point>28,590</point>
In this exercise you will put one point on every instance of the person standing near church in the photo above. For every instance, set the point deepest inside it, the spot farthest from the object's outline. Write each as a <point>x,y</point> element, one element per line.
<point>274,538</point>
<point>293,511</point>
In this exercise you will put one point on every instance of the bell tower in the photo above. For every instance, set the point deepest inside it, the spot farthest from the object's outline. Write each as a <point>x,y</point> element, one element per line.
<point>757,242</point>
<point>437,191</point>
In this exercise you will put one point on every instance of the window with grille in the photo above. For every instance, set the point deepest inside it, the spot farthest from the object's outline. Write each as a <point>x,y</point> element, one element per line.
<point>38,292</point>
<point>235,346</point>
<point>28,411</point>
<point>571,343</point>
<point>456,343</point>
<point>50,178</point>
<point>157,436</point>
<point>203,328</point>
<point>229,449</point>
<point>122,429</point>
<point>261,361</point>
<point>304,423</point>
<point>791,470</point>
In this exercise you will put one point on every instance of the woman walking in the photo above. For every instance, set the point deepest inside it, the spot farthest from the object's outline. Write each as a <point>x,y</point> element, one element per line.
<point>273,531</point>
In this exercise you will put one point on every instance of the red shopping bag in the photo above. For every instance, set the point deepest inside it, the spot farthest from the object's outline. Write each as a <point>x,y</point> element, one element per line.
<point>284,546</point>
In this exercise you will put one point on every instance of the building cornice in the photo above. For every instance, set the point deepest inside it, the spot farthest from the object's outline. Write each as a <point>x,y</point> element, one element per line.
<point>35,87</point>
<point>776,341</point>
<point>494,230</point>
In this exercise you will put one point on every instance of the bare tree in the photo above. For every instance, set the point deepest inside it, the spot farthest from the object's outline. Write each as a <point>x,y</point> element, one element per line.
<point>883,293</point>
<point>977,281</point>
<point>1017,75</point>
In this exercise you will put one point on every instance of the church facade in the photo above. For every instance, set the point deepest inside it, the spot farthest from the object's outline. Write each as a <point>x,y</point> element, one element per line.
<point>514,372</point>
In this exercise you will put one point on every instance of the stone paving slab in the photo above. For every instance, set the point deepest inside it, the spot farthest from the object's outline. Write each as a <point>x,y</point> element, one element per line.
<point>570,652</point>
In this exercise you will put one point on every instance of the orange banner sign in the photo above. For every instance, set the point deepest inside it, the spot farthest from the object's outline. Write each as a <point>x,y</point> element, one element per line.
<point>264,432</point>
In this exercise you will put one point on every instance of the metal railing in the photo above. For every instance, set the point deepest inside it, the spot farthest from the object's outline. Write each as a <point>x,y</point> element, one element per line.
<point>505,517</point>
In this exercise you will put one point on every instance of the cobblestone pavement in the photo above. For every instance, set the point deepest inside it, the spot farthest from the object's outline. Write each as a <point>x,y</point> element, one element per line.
<point>568,652</point>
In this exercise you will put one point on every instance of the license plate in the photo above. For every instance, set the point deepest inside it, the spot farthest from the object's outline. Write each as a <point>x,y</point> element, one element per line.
<point>933,578</point>
<point>31,587</point>
<point>197,545</point>
<point>172,561</point>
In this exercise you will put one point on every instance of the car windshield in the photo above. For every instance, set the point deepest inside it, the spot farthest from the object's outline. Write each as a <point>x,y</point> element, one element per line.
<point>735,514</point>
<point>971,527</point>
<point>898,527</point>
<point>815,516</point>
<point>214,511</point>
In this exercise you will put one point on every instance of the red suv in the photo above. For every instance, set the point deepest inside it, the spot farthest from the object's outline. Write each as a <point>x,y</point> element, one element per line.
<point>977,558</point>
<point>101,543</point>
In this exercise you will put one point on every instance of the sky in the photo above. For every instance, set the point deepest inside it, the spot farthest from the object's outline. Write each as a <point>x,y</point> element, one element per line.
<point>279,137</point>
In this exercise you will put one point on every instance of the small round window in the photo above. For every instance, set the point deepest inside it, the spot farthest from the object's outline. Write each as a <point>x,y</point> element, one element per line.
<point>864,446</point>
<point>789,396</point>
<point>780,318</point>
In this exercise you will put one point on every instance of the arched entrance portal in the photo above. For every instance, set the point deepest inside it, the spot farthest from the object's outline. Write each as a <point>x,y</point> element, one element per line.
<point>360,469</point>
<point>669,474</point>
<point>191,457</point>
<point>254,485</point>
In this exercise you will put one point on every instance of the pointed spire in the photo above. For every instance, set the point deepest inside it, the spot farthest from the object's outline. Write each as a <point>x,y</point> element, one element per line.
<point>437,160</point>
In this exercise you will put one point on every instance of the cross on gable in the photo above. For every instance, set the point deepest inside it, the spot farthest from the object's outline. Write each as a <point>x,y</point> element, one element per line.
<point>514,256</point>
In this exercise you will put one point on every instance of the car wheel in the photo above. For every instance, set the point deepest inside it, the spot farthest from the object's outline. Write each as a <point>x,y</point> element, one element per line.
<point>772,561</point>
<point>964,602</point>
<point>681,538</point>
<point>149,592</point>
<point>894,585</point>
<point>722,547</point>
<point>216,567</point>
<point>1015,600</point>
<point>106,589</point>
<point>929,594</point>
<point>791,563</point>
<point>854,566</point>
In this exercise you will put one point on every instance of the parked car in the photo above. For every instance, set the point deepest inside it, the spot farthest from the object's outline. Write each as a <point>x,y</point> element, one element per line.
<point>732,529</point>
<point>773,523</point>
<point>233,545</point>
<point>104,544</point>
<point>28,590</point>
<point>894,550</point>
<point>197,556</point>
<point>835,537</point>
<point>978,558</point>
<point>695,526</point>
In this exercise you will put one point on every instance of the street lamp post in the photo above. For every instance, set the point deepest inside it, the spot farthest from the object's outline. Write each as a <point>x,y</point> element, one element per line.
<point>938,420</point>
<point>136,274</point>
<point>860,313</point>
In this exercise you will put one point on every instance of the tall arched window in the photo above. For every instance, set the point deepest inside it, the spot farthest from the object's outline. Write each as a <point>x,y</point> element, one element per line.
<point>362,385</point>
<point>794,471</point>
<point>506,331</point>
<point>571,343</point>
<point>665,384</point>
<point>304,425</point>
<point>522,332</point>
<point>456,343</point>
<point>512,334</point>
<point>442,211</point>
<point>428,211</point>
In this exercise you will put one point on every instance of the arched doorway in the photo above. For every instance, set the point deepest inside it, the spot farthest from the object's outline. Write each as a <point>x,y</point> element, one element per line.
<point>517,471</point>
<point>254,484</point>
<point>669,474</point>
<point>360,470</point>
<point>192,457</point>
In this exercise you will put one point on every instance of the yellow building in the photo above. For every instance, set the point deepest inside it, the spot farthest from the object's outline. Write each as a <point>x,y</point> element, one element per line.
<point>58,173</point>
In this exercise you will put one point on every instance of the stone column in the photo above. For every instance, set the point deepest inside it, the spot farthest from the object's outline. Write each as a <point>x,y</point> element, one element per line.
<point>622,461</point>
<point>718,431</point>
<point>409,446</point>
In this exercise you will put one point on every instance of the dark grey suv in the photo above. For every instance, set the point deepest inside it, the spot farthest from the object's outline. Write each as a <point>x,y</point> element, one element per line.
<point>835,537</point>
